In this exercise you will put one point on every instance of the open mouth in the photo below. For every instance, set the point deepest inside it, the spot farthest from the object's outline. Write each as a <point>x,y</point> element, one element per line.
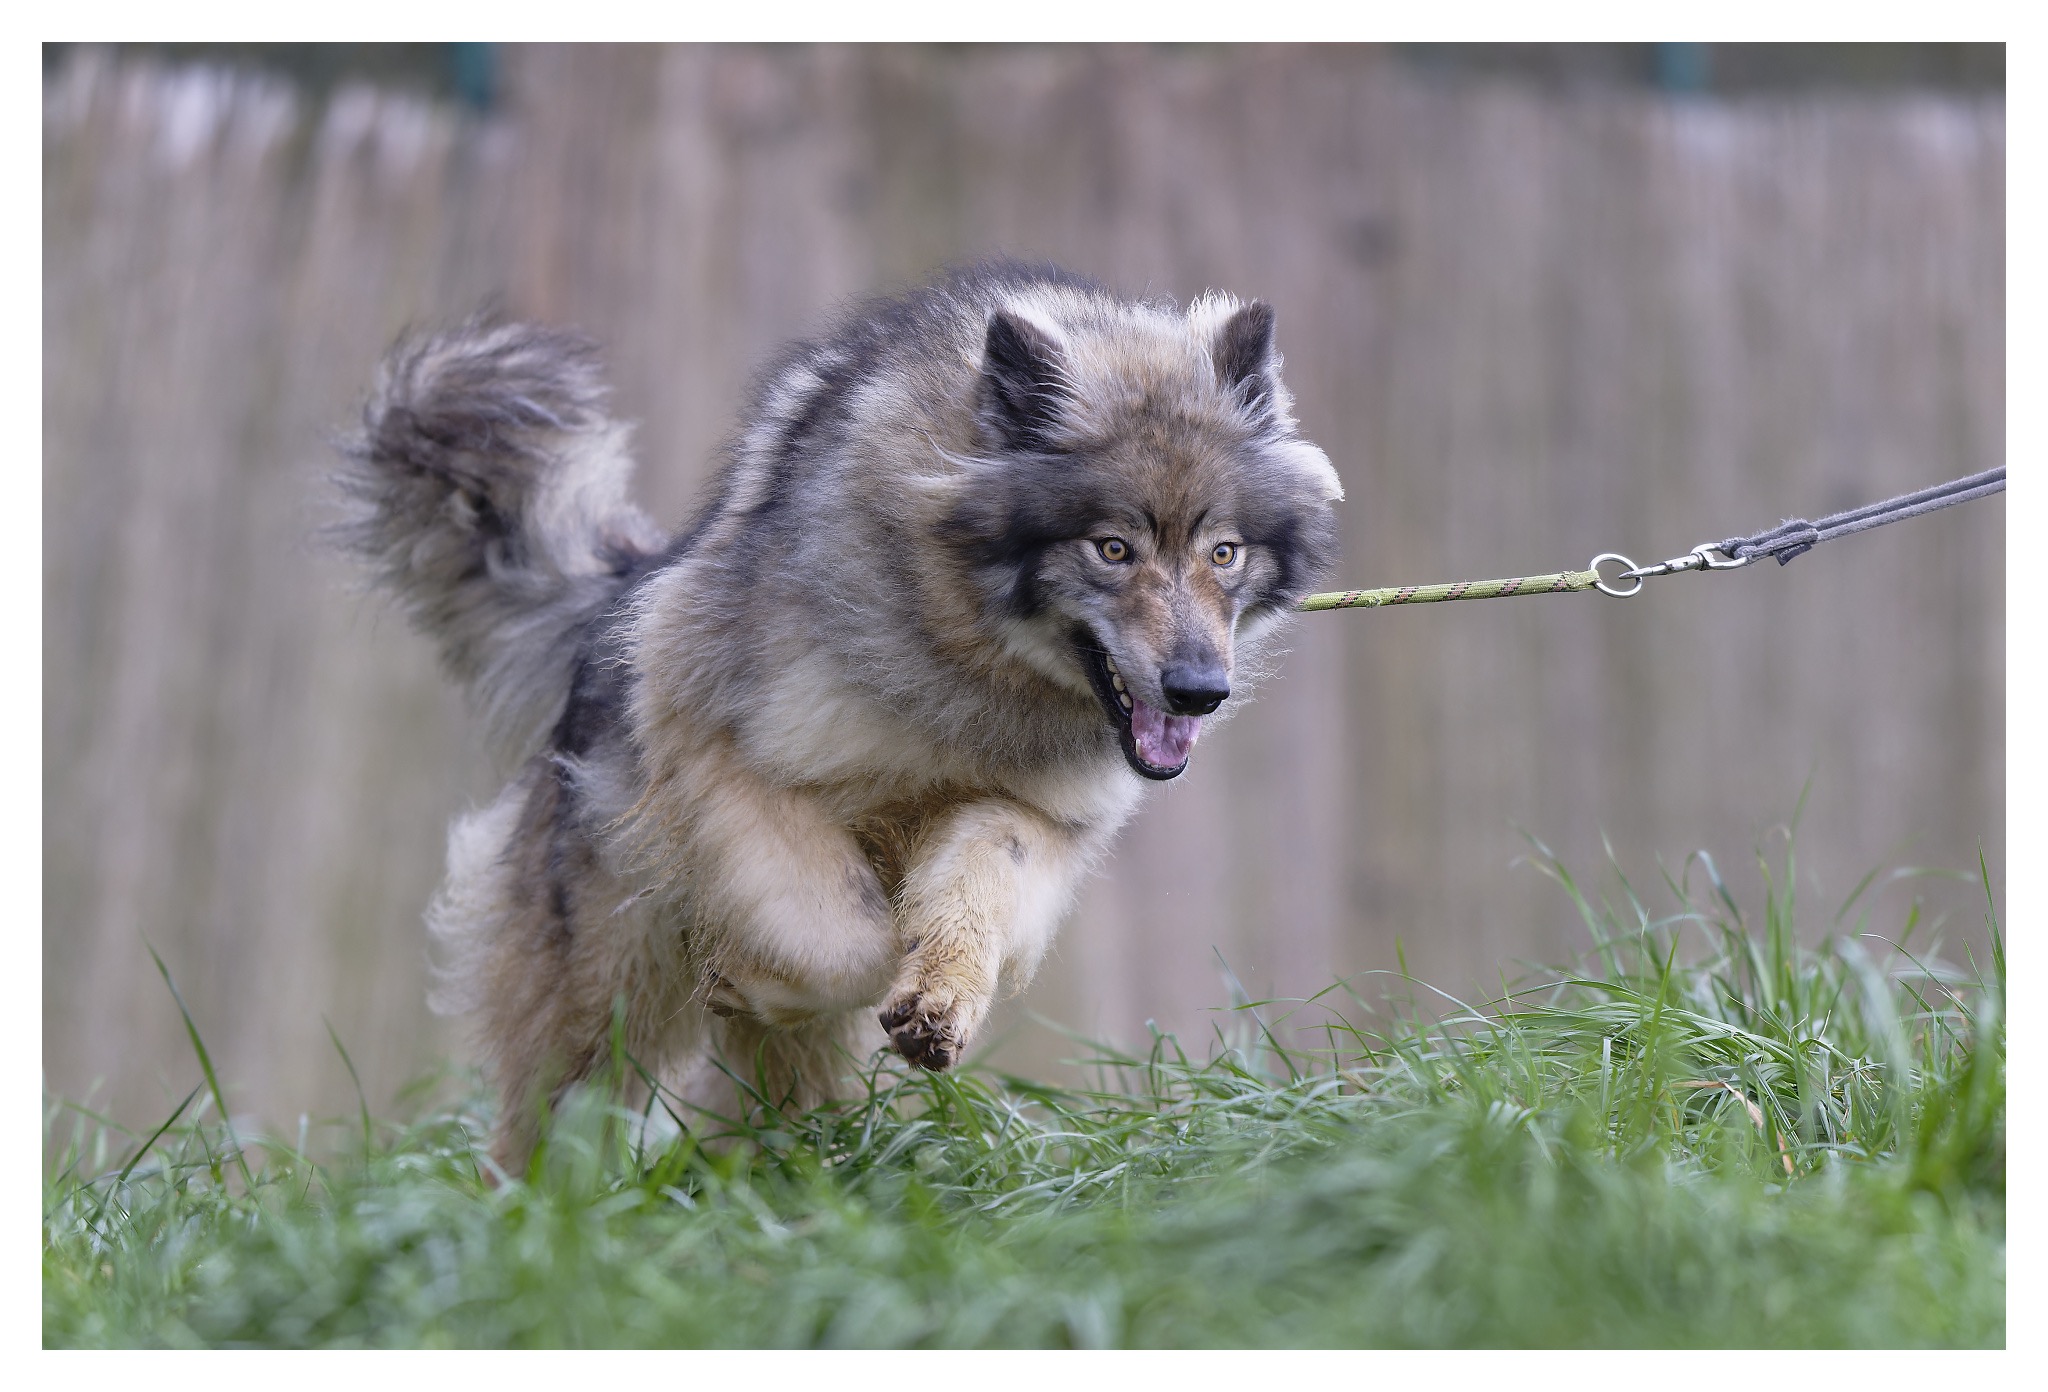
<point>1155,744</point>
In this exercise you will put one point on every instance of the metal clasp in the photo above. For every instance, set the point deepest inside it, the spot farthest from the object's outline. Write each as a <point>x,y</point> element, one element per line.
<point>1726,561</point>
<point>1705,556</point>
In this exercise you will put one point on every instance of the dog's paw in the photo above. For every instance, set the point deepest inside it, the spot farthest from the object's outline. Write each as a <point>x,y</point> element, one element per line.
<point>930,1028</point>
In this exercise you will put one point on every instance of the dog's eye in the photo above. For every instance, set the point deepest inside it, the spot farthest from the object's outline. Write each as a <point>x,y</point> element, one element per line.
<point>1225,553</point>
<point>1115,550</point>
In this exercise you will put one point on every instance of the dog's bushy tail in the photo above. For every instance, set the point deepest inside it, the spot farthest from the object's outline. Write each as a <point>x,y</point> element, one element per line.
<point>487,489</point>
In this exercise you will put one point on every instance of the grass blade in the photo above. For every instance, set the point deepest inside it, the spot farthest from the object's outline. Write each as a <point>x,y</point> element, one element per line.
<point>362,1103</point>
<point>169,1121</point>
<point>205,1064</point>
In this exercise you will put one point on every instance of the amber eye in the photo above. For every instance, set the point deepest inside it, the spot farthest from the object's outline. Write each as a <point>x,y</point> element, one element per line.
<point>1225,553</point>
<point>1115,550</point>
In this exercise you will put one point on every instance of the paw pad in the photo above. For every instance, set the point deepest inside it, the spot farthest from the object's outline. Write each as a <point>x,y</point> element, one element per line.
<point>932,1042</point>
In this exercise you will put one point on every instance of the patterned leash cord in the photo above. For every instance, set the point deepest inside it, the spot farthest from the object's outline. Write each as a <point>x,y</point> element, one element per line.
<point>1561,583</point>
<point>1782,542</point>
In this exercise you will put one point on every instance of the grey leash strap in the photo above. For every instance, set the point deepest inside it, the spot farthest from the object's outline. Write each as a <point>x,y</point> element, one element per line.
<point>1798,536</point>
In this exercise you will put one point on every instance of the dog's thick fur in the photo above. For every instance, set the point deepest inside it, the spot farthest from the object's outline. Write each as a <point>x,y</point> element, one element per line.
<point>979,559</point>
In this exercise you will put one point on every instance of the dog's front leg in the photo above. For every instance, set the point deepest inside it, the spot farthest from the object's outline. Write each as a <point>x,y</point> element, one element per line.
<point>790,920</point>
<point>980,902</point>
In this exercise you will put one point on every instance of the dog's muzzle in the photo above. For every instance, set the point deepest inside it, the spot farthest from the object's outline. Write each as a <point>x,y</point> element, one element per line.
<point>1156,743</point>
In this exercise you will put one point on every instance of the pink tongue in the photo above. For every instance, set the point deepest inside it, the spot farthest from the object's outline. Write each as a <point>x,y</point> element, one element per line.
<point>1163,740</point>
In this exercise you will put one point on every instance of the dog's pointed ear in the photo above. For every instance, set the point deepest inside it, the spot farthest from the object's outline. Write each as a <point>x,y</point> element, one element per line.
<point>1244,357</point>
<point>1021,385</point>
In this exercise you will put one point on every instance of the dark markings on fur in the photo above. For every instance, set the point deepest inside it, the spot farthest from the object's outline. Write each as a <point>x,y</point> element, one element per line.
<point>1244,356</point>
<point>1004,528</point>
<point>1302,543</point>
<point>596,708</point>
<point>1021,386</point>
<point>808,422</point>
<point>869,336</point>
<point>540,856</point>
<point>560,853</point>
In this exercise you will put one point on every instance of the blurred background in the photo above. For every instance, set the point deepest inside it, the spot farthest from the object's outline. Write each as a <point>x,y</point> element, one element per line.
<point>1536,303</point>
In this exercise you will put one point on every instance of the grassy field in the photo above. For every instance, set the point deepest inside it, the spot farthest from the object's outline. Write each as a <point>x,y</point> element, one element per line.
<point>1705,1134</point>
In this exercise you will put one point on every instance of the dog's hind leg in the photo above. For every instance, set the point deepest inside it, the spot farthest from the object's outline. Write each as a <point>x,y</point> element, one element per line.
<point>791,1068</point>
<point>542,944</point>
<point>982,898</point>
<point>551,1024</point>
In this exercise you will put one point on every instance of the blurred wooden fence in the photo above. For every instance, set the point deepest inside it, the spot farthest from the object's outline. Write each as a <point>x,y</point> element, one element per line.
<point>1528,328</point>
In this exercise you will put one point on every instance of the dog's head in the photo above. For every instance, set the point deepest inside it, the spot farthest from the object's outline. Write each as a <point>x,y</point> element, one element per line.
<point>1141,506</point>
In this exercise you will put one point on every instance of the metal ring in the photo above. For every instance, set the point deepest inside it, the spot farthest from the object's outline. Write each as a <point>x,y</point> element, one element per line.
<point>1626,565</point>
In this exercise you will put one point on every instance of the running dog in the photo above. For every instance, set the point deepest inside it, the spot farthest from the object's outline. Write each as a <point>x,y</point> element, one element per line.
<point>979,561</point>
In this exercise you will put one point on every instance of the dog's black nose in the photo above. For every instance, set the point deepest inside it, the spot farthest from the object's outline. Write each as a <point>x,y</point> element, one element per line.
<point>1194,690</point>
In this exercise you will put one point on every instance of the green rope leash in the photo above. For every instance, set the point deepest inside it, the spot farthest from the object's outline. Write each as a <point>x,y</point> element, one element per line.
<point>1564,582</point>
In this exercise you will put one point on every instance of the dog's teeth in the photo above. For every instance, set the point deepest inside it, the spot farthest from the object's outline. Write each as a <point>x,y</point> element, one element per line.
<point>1123,700</point>
<point>1116,681</point>
<point>1110,663</point>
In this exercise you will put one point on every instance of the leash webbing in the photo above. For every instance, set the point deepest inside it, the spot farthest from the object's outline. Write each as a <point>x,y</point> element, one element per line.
<point>1794,537</point>
<point>1798,536</point>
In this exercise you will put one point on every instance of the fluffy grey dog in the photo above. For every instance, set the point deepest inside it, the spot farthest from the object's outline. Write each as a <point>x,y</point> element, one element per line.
<point>979,560</point>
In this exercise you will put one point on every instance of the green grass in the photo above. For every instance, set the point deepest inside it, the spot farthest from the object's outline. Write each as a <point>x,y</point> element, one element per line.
<point>1706,1135</point>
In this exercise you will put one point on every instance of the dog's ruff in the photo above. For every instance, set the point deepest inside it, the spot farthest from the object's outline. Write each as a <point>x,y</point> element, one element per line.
<point>978,563</point>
